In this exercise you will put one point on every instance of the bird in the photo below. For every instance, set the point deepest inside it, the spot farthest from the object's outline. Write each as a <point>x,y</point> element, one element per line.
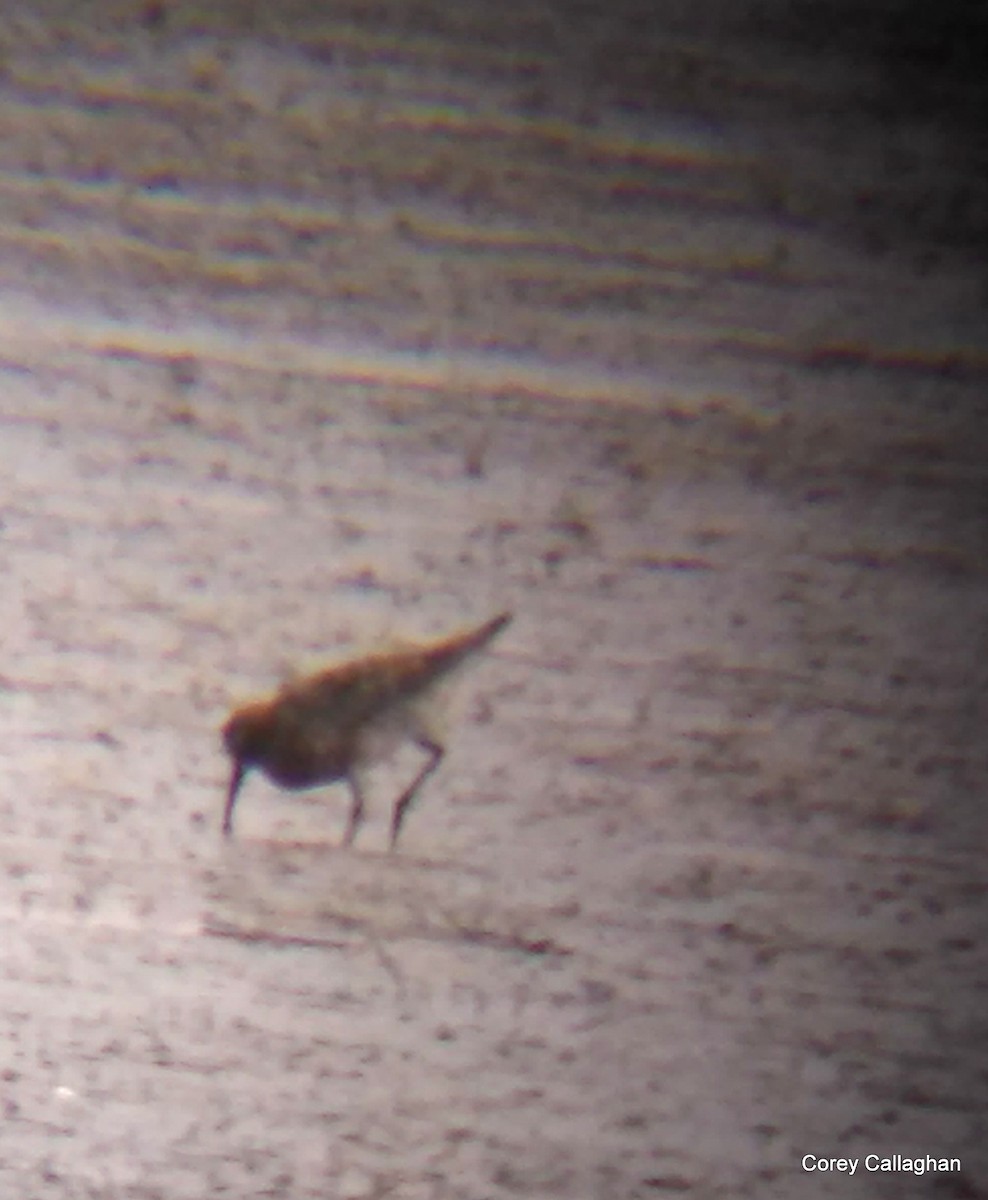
<point>320,728</point>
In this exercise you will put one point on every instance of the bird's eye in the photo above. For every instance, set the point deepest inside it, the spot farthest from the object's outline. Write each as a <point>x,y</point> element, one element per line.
<point>233,735</point>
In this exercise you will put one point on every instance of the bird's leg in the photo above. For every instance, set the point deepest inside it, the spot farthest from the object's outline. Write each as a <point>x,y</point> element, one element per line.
<point>435,752</point>
<point>356,809</point>
<point>236,779</point>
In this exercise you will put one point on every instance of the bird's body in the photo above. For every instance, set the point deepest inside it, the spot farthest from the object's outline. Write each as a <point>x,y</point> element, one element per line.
<point>321,728</point>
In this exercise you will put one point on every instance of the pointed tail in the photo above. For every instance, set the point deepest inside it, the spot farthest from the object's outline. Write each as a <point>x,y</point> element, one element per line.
<point>488,631</point>
<point>460,647</point>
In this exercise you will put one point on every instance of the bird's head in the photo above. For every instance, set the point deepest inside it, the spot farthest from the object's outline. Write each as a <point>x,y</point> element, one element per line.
<point>244,736</point>
<point>246,731</point>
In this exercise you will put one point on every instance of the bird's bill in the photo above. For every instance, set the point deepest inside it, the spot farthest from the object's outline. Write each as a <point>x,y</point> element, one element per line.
<point>236,779</point>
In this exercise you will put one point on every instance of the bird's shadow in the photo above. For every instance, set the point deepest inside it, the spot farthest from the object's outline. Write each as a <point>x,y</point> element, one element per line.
<point>311,893</point>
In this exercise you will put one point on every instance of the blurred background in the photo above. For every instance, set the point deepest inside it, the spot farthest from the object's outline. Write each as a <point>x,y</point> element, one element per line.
<point>661,325</point>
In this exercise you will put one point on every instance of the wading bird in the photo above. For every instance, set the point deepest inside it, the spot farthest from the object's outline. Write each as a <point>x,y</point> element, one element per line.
<point>324,727</point>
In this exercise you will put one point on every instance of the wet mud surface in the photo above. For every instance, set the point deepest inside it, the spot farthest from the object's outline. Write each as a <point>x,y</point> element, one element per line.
<point>315,329</point>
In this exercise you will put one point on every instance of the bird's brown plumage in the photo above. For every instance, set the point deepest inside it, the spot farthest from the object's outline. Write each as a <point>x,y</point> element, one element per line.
<point>313,730</point>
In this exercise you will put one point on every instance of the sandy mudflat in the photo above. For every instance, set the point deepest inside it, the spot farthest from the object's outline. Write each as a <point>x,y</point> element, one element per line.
<point>314,328</point>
